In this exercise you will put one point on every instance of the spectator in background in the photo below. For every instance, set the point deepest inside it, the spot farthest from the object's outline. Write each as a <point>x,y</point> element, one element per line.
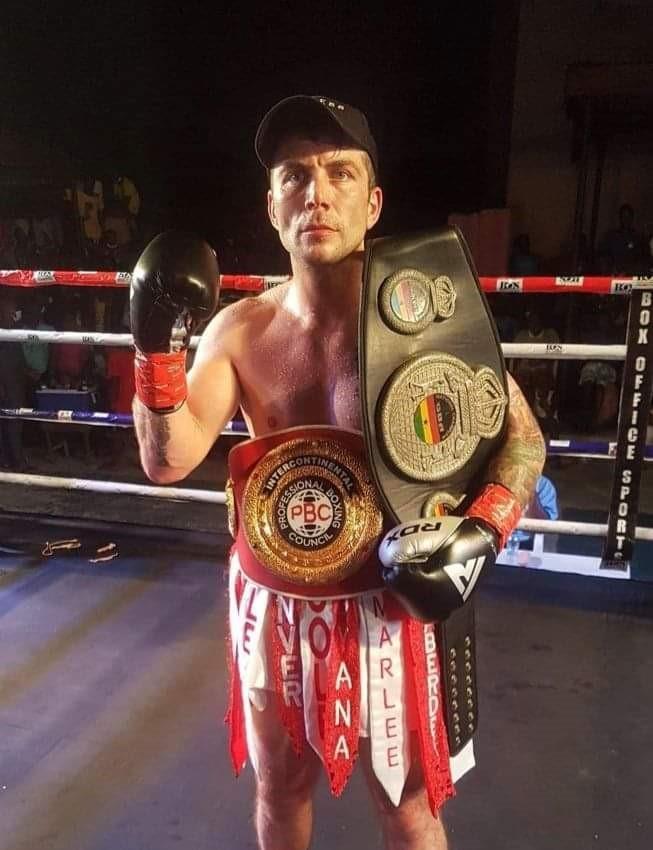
<point>70,362</point>
<point>117,219</point>
<point>89,198</point>
<point>598,398</point>
<point>506,327</point>
<point>13,383</point>
<point>125,191</point>
<point>36,353</point>
<point>116,306</point>
<point>522,261</point>
<point>622,250</point>
<point>48,240</point>
<point>110,258</point>
<point>109,252</point>
<point>46,253</point>
<point>119,389</point>
<point>537,378</point>
<point>120,374</point>
<point>543,505</point>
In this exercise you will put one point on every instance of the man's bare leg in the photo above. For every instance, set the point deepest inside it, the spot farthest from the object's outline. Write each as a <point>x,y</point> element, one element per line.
<point>284,788</point>
<point>410,825</point>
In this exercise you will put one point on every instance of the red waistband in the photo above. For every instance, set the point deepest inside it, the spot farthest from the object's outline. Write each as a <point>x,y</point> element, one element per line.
<point>242,460</point>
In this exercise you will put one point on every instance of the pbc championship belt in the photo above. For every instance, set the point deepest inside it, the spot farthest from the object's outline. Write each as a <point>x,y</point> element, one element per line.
<point>304,511</point>
<point>434,400</point>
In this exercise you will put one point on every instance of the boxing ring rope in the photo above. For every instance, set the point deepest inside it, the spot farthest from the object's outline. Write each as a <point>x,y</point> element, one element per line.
<point>96,418</point>
<point>550,351</point>
<point>216,497</point>
<point>584,529</point>
<point>235,428</point>
<point>179,494</point>
<point>254,284</point>
<point>587,284</point>
<point>213,497</point>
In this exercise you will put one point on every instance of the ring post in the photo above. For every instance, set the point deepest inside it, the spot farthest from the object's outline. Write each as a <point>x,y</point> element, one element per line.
<point>634,407</point>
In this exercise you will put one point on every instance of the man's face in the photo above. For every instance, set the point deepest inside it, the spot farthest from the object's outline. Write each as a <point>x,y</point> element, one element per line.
<point>320,200</point>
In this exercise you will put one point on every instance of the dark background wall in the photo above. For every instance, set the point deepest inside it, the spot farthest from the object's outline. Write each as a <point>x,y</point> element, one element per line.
<point>554,34</point>
<point>172,97</point>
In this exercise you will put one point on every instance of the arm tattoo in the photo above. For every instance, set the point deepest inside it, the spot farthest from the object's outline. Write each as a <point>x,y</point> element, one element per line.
<point>153,433</point>
<point>160,437</point>
<point>519,462</point>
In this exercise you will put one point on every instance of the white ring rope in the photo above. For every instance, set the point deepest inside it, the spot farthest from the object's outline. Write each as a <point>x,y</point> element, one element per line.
<point>587,529</point>
<point>544,351</point>
<point>563,351</point>
<point>185,494</point>
<point>110,340</point>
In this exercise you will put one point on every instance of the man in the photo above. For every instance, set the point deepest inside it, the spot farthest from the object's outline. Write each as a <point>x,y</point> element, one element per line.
<point>288,358</point>
<point>36,353</point>
<point>622,250</point>
<point>537,378</point>
<point>544,505</point>
<point>89,198</point>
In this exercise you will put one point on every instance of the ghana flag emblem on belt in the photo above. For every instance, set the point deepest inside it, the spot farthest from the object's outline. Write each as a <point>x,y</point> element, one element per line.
<point>433,419</point>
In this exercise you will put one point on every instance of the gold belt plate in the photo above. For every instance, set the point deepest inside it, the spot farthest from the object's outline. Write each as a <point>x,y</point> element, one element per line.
<point>310,511</point>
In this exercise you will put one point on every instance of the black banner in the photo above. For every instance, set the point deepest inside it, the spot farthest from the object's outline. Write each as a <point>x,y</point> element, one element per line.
<point>634,408</point>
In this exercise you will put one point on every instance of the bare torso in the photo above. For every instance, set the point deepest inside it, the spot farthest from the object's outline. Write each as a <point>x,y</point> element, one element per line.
<point>294,371</point>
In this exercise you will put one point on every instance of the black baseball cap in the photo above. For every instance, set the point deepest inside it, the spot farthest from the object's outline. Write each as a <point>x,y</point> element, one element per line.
<point>311,112</point>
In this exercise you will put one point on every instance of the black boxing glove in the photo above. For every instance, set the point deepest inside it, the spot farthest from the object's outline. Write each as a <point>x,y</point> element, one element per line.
<point>174,289</point>
<point>433,565</point>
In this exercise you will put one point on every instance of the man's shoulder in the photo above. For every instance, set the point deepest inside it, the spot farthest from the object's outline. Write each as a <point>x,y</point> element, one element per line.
<point>251,314</point>
<point>250,309</point>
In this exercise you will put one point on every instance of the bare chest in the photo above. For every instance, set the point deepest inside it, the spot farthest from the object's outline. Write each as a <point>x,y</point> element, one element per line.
<point>301,378</point>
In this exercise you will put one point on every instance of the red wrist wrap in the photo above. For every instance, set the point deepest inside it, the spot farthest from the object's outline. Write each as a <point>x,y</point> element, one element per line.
<point>499,508</point>
<point>160,379</point>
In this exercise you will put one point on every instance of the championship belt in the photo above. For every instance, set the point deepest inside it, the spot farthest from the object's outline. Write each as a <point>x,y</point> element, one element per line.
<point>434,400</point>
<point>303,509</point>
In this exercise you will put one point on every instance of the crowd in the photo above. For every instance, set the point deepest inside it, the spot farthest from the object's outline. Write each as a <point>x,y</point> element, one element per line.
<point>624,249</point>
<point>96,226</point>
<point>75,376</point>
<point>578,396</point>
<point>584,396</point>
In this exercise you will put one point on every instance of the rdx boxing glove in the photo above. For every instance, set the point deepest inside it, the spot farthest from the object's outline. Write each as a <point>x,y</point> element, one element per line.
<point>433,565</point>
<point>174,290</point>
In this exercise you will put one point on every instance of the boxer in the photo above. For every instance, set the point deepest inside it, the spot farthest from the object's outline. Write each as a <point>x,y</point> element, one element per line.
<point>288,359</point>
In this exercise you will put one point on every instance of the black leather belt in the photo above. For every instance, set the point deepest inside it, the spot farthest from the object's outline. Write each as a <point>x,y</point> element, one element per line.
<point>434,398</point>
